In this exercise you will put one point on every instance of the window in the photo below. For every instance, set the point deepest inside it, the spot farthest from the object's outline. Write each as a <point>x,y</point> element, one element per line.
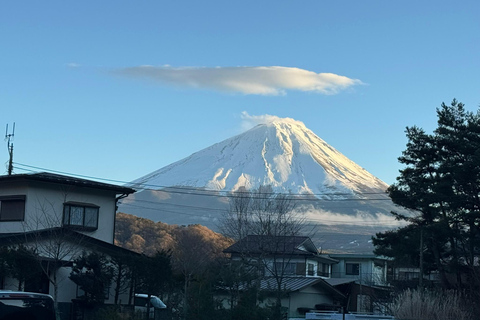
<point>290,268</point>
<point>324,271</point>
<point>352,269</point>
<point>80,215</point>
<point>310,269</point>
<point>12,208</point>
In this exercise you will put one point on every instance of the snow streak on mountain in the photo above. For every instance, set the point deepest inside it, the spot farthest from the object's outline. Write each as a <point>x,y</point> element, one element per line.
<point>283,153</point>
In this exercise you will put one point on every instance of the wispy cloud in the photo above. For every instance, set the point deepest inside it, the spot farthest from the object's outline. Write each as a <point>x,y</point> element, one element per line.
<point>359,219</point>
<point>249,121</point>
<point>73,65</point>
<point>245,80</point>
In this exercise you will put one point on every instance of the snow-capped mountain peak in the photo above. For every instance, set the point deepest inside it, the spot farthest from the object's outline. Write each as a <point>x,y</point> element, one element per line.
<point>282,153</point>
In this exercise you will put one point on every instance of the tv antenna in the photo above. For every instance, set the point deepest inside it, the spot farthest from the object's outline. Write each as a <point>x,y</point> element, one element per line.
<point>9,139</point>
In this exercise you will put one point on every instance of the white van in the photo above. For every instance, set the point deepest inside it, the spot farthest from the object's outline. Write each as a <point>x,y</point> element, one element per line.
<point>26,305</point>
<point>141,303</point>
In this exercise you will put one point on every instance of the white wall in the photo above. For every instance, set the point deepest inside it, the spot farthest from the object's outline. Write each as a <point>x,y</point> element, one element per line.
<point>67,289</point>
<point>44,207</point>
<point>369,273</point>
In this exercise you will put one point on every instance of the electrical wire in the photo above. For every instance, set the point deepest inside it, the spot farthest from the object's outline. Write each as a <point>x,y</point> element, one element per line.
<point>217,193</point>
<point>231,195</point>
<point>321,220</point>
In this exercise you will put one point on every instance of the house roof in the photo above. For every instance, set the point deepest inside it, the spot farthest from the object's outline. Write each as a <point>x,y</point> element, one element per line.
<point>65,180</point>
<point>272,244</point>
<point>339,281</point>
<point>357,256</point>
<point>289,245</point>
<point>68,235</point>
<point>292,284</point>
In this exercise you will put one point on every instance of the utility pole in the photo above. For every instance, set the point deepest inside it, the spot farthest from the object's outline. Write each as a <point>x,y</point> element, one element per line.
<point>9,139</point>
<point>420,279</point>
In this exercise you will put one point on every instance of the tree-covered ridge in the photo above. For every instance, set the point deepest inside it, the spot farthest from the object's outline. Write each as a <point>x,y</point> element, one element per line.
<point>146,236</point>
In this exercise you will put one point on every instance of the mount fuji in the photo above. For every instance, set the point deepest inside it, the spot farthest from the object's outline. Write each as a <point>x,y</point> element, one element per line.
<point>339,197</point>
<point>283,153</point>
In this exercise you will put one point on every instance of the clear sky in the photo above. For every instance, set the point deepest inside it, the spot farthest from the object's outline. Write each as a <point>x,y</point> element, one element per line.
<point>117,89</point>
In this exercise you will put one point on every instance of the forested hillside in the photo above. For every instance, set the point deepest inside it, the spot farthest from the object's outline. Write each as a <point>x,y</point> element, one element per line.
<point>145,236</point>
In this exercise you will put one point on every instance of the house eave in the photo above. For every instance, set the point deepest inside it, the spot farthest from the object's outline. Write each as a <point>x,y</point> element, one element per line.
<point>65,180</point>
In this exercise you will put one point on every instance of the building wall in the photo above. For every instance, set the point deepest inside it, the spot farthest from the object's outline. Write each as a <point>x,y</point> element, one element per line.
<point>44,207</point>
<point>368,273</point>
<point>269,261</point>
<point>306,298</point>
<point>67,289</point>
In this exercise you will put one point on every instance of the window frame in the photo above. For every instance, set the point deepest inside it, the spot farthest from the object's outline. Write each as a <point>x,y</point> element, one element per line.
<point>323,270</point>
<point>310,269</point>
<point>352,271</point>
<point>286,268</point>
<point>13,198</point>
<point>67,215</point>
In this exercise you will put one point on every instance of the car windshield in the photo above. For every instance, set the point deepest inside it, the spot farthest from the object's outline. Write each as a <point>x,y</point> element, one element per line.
<point>157,303</point>
<point>27,309</point>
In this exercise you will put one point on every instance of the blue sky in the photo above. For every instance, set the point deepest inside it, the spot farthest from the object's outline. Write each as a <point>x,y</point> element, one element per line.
<point>117,89</point>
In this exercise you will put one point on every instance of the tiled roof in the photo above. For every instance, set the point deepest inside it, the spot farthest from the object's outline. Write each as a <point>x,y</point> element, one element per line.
<point>288,284</point>
<point>64,233</point>
<point>292,284</point>
<point>255,244</point>
<point>338,281</point>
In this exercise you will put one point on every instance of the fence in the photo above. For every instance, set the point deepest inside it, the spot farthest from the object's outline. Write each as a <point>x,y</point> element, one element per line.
<point>346,316</point>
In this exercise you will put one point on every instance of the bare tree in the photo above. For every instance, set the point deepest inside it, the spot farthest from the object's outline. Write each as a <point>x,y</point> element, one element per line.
<point>261,212</point>
<point>267,229</point>
<point>192,256</point>
<point>55,246</point>
<point>122,265</point>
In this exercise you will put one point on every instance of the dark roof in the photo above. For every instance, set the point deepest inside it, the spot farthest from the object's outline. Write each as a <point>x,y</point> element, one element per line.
<point>67,234</point>
<point>292,284</point>
<point>65,180</point>
<point>339,281</point>
<point>254,244</point>
<point>358,256</point>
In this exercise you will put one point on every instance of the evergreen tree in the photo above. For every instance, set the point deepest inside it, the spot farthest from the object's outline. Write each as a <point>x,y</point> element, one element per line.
<point>441,183</point>
<point>93,274</point>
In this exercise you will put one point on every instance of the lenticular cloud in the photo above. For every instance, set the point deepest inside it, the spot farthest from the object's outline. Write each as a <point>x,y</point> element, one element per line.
<point>245,80</point>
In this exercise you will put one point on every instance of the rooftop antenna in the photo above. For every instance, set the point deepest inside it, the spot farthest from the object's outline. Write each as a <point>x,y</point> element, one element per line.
<point>9,139</point>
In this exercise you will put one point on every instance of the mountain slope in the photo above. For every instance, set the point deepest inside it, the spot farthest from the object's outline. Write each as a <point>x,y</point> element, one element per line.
<point>344,204</point>
<point>283,153</point>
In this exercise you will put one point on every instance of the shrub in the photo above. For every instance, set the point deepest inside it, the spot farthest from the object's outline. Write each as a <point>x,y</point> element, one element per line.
<point>423,304</point>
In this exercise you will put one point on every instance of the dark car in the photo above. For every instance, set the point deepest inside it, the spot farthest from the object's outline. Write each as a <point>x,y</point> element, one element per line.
<point>26,306</point>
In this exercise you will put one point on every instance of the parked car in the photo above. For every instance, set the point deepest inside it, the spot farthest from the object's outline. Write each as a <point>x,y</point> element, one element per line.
<point>141,303</point>
<point>27,306</point>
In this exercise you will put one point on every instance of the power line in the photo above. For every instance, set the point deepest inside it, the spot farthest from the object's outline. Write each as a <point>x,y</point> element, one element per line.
<point>325,222</point>
<point>157,203</point>
<point>217,193</point>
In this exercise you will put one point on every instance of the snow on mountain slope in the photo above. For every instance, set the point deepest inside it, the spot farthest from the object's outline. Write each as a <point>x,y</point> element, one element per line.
<point>283,153</point>
<point>348,207</point>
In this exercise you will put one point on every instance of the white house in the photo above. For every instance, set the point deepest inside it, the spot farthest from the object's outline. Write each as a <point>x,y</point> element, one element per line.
<point>296,262</point>
<point>45,210</point>
<point>363,277</point>
<point>366,268</point>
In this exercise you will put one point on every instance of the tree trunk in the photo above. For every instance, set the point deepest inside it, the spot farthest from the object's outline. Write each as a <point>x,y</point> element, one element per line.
<point>440,267</point>
<point>118,283</point>
<point>55,289</point>
<point>148,307</point>
<point>185,299</point>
